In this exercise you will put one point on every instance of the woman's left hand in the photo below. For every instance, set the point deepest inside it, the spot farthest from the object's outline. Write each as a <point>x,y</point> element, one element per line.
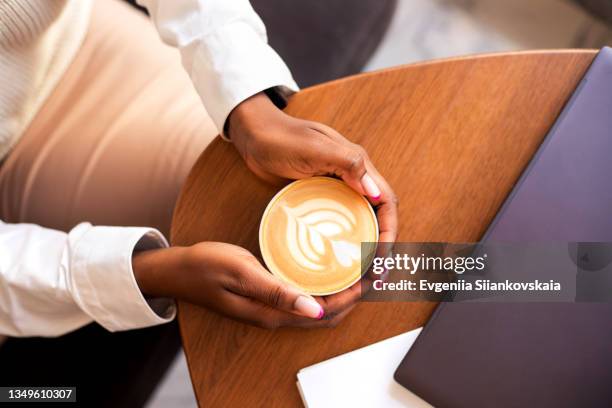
<point>275,145</point>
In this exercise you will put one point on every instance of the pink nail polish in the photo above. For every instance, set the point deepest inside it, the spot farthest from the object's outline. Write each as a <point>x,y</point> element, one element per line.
<point>321,314</point>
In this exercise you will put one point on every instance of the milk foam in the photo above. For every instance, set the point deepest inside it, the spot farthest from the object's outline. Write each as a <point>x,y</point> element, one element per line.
<point>311,235</point>
<point>319,225</point>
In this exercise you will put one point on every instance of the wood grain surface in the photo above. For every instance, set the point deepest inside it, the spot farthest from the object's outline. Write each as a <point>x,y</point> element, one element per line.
<point>451,137</point>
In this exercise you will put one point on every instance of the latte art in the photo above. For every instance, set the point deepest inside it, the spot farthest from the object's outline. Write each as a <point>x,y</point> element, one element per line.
<point>315,228</point>
<point>311,234</point>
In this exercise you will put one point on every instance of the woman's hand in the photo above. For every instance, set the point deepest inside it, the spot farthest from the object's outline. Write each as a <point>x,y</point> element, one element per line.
<point>275,145</point>
<point>230,280</point>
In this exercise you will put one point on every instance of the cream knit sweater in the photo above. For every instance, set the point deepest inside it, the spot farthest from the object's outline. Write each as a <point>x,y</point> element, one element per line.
<point>38,40</point>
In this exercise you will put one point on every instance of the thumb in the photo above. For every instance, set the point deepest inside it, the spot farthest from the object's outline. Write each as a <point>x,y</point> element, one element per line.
<point>351,163</point>
<point>269,290</point>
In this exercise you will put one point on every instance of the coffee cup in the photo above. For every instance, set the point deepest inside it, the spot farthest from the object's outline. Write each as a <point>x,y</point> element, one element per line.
<point>311,233</point>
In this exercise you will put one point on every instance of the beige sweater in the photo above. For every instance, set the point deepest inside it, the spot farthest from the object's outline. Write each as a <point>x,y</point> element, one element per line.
<point>38,40</point>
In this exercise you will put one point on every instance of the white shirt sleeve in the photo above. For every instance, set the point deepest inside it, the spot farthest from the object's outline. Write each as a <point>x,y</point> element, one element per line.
<point>224,48</point>
<point>52,282</point>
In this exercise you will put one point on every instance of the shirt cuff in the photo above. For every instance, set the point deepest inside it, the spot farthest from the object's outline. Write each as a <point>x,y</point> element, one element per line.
<point>233,64</point>
<point>102,280</point>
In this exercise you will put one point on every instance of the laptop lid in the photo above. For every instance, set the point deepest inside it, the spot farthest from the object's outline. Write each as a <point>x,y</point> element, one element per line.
<point>535,354</point>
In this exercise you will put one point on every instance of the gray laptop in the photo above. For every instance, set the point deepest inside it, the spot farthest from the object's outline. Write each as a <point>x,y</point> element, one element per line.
<point>536,354</point>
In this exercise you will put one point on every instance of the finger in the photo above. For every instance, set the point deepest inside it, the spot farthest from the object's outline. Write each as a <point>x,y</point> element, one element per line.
<point>256,282</point>
<point>348,161</point>
<point>253,312</point>
<point>358,175</point>
<point>336,155</point>
<point>332,321</point>
<point>344,162</point>
<point>386,211</point>
<point>337,303</point>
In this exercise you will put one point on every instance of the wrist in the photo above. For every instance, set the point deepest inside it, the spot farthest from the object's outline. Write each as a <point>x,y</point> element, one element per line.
<point>153,270</point>
<point>251,115</point>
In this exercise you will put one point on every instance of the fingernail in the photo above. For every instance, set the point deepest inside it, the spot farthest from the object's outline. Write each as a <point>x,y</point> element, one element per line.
<point>308,307</point>
<point>385,275</point>
<point>370,187</point>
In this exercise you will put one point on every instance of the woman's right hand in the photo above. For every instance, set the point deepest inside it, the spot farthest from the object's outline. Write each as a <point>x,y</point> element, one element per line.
<point>230,280</point>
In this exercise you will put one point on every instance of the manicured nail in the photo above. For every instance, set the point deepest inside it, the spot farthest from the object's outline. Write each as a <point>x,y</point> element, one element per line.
<point>370,187</point>
<point>308,307</point>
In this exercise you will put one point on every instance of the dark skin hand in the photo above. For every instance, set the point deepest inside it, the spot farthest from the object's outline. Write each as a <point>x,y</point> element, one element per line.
<point>230,280</point>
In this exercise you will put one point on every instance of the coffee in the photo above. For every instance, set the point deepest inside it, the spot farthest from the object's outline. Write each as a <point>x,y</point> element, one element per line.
<point>311,234</point>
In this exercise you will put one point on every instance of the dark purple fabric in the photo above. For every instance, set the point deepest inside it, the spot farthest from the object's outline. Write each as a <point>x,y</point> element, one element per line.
<point>601,9</point>
<point>321,40</point>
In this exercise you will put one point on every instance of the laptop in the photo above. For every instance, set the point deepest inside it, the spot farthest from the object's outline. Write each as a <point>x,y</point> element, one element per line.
<point>536,354</point>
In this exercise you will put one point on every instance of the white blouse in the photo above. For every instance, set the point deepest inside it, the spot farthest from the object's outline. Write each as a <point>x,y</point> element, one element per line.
<point>53,282</point>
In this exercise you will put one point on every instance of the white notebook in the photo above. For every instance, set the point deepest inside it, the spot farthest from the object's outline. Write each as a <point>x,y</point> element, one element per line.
<point>362,378</point>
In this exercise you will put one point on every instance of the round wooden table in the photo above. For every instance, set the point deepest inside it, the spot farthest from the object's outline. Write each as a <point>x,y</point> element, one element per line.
<point>451,137</point>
